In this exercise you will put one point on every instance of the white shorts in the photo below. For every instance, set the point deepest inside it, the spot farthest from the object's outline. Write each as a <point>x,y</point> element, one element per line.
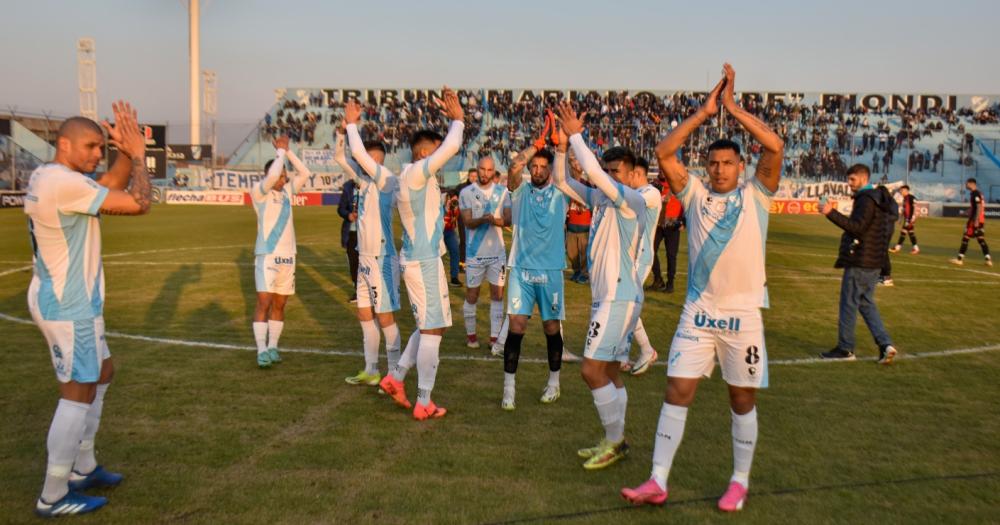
<point>378,283</point>
<point>275,273</point>
<point>490,267</point>
<point>78,348</point>
<point>736,337</point>
<point>427,288</point>
<point>610,332</point>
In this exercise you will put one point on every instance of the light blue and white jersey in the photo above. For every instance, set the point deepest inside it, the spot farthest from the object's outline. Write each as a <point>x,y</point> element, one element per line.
<point>418,198</point>
<point>615,230</point>
<point>62,208</point>
<point>539,219</point>
<point>616,227</point>
<point>275,231</point>
<point>654,204</point>
<point>726,241</point>
<point>485,240</point>
<point>376,196</point>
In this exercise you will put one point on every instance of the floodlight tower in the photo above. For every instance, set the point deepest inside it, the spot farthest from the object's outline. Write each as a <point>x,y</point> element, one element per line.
<point>211,99</point>
<point>86,73</point>
<point>194,62</point>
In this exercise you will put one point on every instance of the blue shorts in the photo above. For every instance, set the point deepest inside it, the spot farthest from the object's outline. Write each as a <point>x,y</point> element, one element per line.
<point>526,288</point>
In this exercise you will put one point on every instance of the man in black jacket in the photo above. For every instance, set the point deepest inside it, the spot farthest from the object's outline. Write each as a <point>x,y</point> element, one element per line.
<point>862,255</point>
<point>347,208</point>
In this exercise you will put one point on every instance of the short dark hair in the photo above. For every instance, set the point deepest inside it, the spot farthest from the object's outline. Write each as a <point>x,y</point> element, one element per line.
<point>74,125</point>
<point>619,153</point>
<point>545,154</point>
<point>723,144</point>
<point>904,187</point>
<point>972,180</point>
<point>641,162</point>
<point>374,144</point>
<point>424,135</point>
<point>859,168</point>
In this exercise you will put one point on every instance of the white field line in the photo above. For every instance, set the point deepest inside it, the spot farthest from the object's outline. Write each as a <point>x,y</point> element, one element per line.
<point>351,353</point>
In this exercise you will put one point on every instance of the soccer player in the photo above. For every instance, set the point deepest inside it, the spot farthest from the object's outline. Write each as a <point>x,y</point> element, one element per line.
<point>644,264</point>
<point>378,264</point>
<point>421,214</point>
<point>537,259</point>
<point>66,294</point>
<point>274,252</point>
<point>616,293</point>
<point>485,209</point>
<point>727,228</point>
<point>975,225</point>
<point>909,217</point>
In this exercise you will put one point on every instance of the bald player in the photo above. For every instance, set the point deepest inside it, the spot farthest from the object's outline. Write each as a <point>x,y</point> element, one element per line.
<point>485,208</point>
<point>66,294</point>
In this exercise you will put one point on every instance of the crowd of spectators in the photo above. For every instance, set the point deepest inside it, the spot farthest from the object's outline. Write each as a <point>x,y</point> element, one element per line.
<point>820,141</point>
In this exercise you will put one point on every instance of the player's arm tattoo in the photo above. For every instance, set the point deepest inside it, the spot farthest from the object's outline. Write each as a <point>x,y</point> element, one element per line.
<point>140,189</point>
<point>517,166</point>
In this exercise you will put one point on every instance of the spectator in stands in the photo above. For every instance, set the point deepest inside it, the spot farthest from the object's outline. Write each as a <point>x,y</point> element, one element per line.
<point>668,231</point>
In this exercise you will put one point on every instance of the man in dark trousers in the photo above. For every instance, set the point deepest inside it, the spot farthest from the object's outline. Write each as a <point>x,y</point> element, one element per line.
<point>668,231</point>
<point>347,208</point>
<point>862,255</point>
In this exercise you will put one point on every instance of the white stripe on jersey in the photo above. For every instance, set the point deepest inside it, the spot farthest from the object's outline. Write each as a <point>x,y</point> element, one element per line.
<point>275,231</point>
<point>726,236</point>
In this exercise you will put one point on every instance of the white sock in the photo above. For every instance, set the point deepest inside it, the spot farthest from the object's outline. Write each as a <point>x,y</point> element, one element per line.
<point>496,317</point>
<point>274,332</point>
<point>504,328</point>
<point>427,365</point>
<point>640,337</point>
<point>370,340</point>
<point>744,441</point>
<point>392,342</point>
<point>63,444</point>
<point>469,313</point>
<point>622,404</point>
<point>554,378</point>
<point>260,336</point>
<point>508,382</point>
<point>85,461</point>
<point>409,357</point>
<point>606,401</point>
<point>669,431</point>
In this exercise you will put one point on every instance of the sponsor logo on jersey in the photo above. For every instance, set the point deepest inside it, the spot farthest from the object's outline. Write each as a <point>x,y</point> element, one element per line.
<point>702,320</point>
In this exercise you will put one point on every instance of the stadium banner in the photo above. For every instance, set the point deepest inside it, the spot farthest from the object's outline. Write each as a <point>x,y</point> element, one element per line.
<point>319,157</point>
<point>962,210</point>
<point>189,152</point>
<point>246,180</point>
<point>879,101</point>
<point>12,199</point>
<point>216,198</point>
<point>300,199</point>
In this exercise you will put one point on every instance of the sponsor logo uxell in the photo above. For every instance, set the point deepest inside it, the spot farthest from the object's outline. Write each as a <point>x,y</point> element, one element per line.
<point>702,320</point>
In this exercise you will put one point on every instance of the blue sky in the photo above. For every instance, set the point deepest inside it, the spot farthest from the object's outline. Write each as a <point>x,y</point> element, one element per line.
<point>256,46</point>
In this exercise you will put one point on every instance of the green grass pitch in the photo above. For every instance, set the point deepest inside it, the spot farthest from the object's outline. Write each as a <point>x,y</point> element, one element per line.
<point>203,436</point>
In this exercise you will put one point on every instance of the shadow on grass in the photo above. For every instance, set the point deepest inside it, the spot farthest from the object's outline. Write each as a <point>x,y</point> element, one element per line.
<point>163,307</point>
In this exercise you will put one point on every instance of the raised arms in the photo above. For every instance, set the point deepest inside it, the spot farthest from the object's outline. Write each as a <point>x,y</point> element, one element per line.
<point>769,168</point>
<point>666,150</point>
<point>452,141</point>
<point>117,177</point>
<point>378,173</point>
<point>274,173</point>
<point>130,142</point>
<point>573,126</point>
